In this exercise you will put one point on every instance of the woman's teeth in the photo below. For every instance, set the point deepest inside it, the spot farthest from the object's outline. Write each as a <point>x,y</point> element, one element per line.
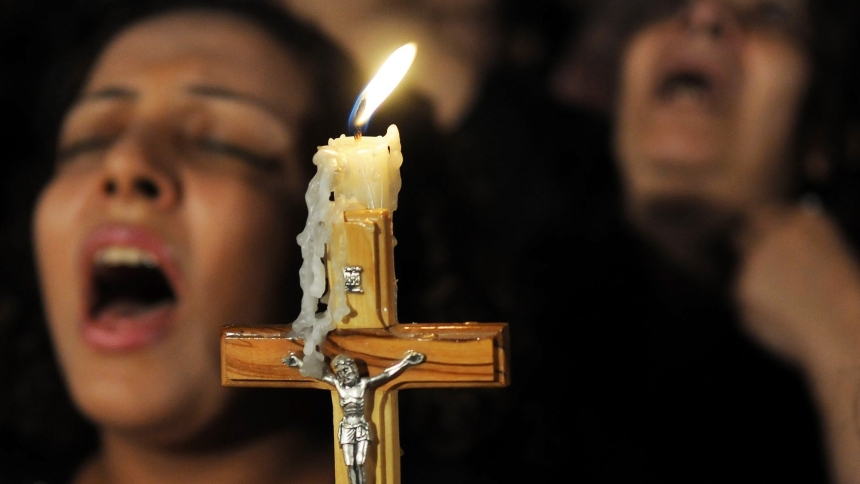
<point>127,256</point>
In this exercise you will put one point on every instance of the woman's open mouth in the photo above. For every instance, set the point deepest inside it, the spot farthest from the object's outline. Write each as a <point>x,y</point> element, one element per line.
<point>132,295</point>
<point>694,82</point>
<point>685,86</point>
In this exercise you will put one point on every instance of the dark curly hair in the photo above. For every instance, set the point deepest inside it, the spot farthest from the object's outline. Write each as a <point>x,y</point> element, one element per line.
<point>39,427</point>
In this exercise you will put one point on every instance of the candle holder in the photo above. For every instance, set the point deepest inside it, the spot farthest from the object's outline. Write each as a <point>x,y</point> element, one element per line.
<point>365,242</point>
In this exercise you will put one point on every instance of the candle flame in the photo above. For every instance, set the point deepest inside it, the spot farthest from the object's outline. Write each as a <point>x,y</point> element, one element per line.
<point>383,83</point>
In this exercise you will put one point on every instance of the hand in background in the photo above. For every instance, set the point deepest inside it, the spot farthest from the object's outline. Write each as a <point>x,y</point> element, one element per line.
<point>798,288</point>
<point>798,291</point>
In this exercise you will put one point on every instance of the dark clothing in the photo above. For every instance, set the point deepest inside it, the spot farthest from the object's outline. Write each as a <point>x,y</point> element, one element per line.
<point>665,385</point>
<point>25,463</point>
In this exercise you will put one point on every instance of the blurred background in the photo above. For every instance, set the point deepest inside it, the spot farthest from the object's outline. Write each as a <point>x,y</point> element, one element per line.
<point>508,180</point>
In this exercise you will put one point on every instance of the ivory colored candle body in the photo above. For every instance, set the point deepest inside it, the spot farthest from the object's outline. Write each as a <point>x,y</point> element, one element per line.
<point>352,174</point>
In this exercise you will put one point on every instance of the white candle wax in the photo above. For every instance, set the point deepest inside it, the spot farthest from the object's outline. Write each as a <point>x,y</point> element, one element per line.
<point>369,168</point>
<point>361,174</point>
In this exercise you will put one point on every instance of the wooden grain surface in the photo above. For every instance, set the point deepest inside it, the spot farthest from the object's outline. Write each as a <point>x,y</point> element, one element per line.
<point>462,354</point>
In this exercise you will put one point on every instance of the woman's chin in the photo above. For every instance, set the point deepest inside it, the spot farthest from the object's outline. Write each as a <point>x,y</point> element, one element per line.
<point>149,414</point>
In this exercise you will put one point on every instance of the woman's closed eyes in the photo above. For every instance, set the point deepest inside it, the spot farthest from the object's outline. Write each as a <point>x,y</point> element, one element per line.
<point>203,124</point>
<point>224,148</point>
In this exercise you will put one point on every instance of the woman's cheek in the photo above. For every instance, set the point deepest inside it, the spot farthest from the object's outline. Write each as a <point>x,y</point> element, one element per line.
<point>55,227</point>
<point>239,239</point>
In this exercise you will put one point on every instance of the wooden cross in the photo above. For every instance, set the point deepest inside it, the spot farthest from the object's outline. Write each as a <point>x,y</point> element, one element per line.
<point>457,354</point>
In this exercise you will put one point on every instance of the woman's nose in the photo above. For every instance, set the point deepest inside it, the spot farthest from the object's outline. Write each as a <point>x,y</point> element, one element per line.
<point>712,18</point>
<point>134,171</point>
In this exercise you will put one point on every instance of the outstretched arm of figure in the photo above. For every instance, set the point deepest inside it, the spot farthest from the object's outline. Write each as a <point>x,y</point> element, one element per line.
<point>411,358</point>
<point>294,361</point>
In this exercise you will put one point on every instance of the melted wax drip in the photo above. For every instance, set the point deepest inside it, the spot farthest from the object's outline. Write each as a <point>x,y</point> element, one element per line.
<point>312,326</point>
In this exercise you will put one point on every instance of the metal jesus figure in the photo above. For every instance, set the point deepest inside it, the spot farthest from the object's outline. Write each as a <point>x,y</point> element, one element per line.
<point>354,430</point>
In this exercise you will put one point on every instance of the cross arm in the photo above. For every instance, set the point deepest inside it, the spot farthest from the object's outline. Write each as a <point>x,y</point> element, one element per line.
<point>457,354</point>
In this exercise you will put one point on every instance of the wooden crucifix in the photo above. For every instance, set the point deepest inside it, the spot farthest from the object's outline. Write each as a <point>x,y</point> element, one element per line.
<point>454,354</point>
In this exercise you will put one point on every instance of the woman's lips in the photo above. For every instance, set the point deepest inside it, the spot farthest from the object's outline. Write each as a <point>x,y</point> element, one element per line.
<point>127,325</point>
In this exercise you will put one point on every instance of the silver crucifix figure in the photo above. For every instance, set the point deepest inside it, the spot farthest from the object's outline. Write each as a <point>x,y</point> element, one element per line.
<point>354,431</point>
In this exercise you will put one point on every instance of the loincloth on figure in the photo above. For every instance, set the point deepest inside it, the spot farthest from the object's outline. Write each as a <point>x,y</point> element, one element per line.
<point>353,432</point>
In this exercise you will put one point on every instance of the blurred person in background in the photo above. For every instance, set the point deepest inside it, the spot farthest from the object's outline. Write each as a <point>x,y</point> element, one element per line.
<point>173,118</point>
<point>710,309</point>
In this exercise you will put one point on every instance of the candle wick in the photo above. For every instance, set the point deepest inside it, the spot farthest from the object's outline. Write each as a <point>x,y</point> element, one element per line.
<point>357,114</point>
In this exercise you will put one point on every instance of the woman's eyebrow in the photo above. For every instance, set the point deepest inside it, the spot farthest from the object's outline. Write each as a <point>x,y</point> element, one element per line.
<point>108,93</point>
<point>231,95</point>
<point>105,94</point>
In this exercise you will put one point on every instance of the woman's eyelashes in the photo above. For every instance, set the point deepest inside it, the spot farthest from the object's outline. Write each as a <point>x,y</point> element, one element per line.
<point>225,148</point>
<point>201,148</point>
<point>76,149</point>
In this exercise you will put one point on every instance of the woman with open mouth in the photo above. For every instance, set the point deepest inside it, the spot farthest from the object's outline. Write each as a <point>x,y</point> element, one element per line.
<point>172,211</point>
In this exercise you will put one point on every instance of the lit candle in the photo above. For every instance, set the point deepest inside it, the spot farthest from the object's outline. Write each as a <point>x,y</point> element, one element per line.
<point>353,173</point>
